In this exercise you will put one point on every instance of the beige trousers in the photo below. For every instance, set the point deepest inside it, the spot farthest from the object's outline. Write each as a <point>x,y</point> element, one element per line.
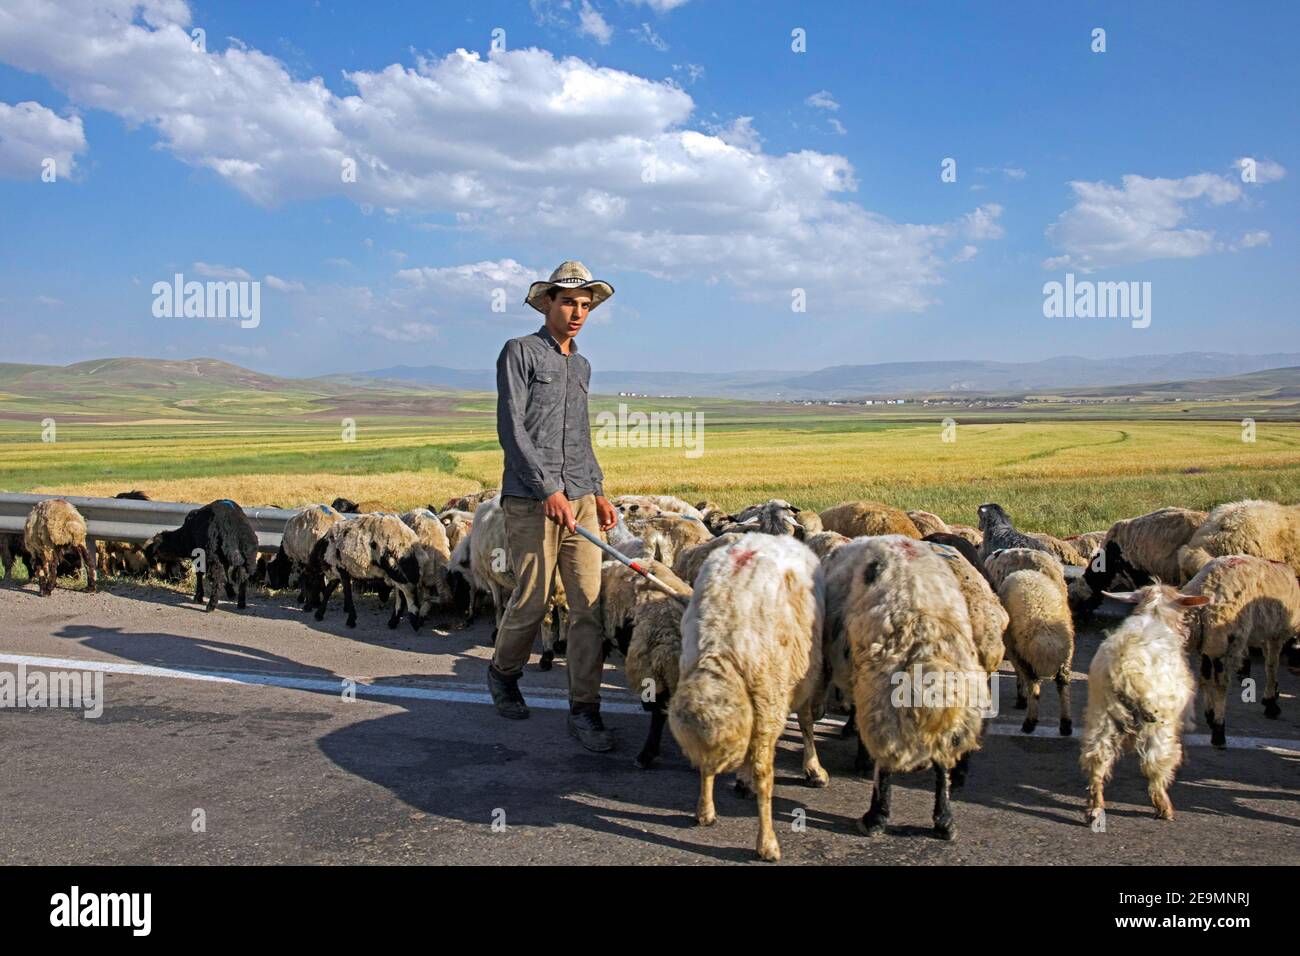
<point>538,548</point>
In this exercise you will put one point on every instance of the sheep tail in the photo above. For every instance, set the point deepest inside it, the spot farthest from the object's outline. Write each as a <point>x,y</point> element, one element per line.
<point>711,715</point>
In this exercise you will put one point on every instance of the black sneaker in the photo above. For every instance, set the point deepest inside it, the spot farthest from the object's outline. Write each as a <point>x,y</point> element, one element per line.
<point>505,694</point>
<point>587,726</point>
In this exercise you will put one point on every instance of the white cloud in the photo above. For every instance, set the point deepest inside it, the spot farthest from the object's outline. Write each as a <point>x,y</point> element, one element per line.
<point>836,125</point>
<point>1013,172</point>
<point>210,271</point>
<point>662,6</point>
<point>1137,222</point>
<point>693,71</point>
<point>1250,240</point>
<point>739,132</point>
<point>281,285</point>
<point>647,35</point>
<point>475,280</point>
<point>965,254</point>
<point>339,263</point>
<point>500,145</point>
<point>1266,171</point>
<point>592,24</point>
<point>822,100</point>
<point>30,134</point>
<point>48,300</point>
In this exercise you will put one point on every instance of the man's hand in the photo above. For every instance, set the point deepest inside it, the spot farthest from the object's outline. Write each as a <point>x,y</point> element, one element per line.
<point>605,513</point>
<point>557,508</point>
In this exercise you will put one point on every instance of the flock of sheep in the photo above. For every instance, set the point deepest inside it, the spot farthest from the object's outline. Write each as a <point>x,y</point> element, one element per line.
<point>789,609</point>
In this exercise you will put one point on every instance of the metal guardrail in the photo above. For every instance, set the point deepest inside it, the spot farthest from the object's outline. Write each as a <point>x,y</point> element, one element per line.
<point>126,519</point>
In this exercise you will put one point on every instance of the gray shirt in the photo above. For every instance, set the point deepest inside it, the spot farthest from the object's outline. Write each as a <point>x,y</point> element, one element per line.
<point>542,419</point>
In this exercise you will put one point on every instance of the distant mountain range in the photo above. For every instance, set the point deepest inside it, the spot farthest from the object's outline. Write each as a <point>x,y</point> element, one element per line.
<point>892,379</point>
<point>186,386</point>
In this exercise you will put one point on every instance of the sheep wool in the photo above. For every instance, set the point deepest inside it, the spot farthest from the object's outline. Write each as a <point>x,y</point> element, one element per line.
<point>1262,528</point>
<point>1139,692</point>
<point>857,518</point>
<point>751,652</point>
<point>909,632</point>
<point>55,527</point>
<point>1253,602</point>
<point>1039,640</point>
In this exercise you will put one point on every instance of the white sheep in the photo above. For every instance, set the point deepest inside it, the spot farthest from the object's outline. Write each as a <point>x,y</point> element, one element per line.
<point>751,652</point>
<point>918,688</point>
<point>53,527</point>
<point>1139,692</point>
<point>1039,641</point>
<point>1262,528</point>
<point>1255,602</point>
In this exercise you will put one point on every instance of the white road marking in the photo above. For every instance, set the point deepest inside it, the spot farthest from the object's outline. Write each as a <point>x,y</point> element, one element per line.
<point>538,697</point>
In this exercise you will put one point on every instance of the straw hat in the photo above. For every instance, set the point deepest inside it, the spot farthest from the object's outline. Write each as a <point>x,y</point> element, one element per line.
<point>570,275</point>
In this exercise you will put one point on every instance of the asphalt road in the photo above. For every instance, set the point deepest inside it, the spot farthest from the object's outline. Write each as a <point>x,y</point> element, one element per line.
<point>239,720</point>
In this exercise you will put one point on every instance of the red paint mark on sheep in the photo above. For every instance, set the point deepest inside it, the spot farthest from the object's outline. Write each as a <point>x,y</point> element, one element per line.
<point>742,558</point>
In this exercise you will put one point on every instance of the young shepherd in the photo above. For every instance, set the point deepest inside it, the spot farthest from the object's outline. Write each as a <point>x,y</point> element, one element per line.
<point>906,619</point>
<point>751,652</point>
<point>1039,641</point>
<point>1263,528</point>
<point>1139,692</point>
<point>854,519</point>
<point>54,527</point>
<point>1254,602</point>
<point>225,536</point>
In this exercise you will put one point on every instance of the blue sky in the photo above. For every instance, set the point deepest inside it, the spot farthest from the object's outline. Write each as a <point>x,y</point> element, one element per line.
<point>771,171</point>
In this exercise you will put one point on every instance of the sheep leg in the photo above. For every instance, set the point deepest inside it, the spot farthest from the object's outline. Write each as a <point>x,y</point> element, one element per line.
<point>216,579</point>
<point>89,565</point>
<point>550,631</point>
<point>704,811</point>
<point>1063,695</point>
<point>873,822</point>
<point>850,728</point>
<point>1160,752</point>
<point>813,773</point>
<point>1099,755</point>
<point>745,781</point>
<point>960,771</point>
<point>1272,655</point>
<point>47,575</point>
<point>349,607</point>
<point>650,750</point>
<point>324,599</point>
<point>399,601</point>
<point>384,591</point>
<point>862,762</point>
<point>944,826</point>
<point>1214,685</point>
<point>762,758</point>
<point>242,602</point>
<point>198,587</point>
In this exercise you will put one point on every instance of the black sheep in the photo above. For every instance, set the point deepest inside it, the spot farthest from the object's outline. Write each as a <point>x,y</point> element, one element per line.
<point>1000,534</point>
<point>223,533</point>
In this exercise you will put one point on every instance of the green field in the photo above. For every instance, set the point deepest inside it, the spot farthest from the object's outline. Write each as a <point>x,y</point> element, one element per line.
<point>1061,476</point>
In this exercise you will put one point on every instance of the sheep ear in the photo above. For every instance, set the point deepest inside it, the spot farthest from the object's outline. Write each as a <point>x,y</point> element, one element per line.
<point>1193,600</point>
<point>1128,597</point>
